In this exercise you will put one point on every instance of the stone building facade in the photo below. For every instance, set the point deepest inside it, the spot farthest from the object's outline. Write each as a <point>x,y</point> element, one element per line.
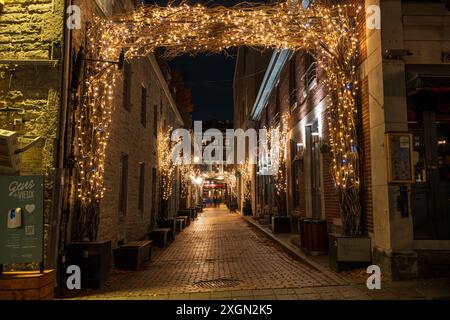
<point>31,69</point>
<point>40,88</point>
<point>143,105</point>
<point>399,67</point>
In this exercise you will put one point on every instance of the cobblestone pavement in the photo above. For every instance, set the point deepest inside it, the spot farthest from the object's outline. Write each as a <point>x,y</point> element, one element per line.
<point>219,256</point>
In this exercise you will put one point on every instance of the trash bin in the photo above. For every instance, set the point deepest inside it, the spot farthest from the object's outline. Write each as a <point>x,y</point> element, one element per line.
<point>313,236</point>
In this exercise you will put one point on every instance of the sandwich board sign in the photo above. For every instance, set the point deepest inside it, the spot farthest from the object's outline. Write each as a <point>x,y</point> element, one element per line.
<point>21,219</point>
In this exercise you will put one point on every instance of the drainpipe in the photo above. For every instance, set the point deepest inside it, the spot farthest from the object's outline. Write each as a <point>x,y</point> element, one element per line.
<point>58,191</point>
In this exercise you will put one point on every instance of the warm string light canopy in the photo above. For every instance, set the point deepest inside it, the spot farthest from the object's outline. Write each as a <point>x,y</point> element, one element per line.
<point>327,32</point>
<point>279,162</point>
<point>230,180</point>
<point>166,166</point>
<point>186,174</point>
<point>245,170</point>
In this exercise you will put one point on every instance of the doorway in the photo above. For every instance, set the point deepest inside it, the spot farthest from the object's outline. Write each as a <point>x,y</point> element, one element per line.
<point>429,121</point>
<point>313,145</point>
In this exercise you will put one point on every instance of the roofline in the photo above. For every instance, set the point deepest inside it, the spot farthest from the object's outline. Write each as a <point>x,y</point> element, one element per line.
<point>271,77</point>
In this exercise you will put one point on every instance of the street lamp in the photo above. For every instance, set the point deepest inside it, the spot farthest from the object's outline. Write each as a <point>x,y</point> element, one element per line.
<point>198,181</point>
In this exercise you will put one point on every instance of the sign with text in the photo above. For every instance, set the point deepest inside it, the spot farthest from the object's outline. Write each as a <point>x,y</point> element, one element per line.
<point>21,219</point>
<point>399,152</point>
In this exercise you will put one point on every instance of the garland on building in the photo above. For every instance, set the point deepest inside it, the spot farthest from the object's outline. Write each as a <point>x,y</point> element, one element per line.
<point>166,167</point>
<point>278,156</point>
<point>328,32</point>
<point>185,179</point>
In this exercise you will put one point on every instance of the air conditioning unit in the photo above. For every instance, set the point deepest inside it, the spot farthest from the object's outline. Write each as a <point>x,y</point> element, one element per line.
<point>9,159</point>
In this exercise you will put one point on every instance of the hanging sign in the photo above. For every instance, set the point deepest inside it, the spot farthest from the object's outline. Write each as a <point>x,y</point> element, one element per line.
<point>21,219</point>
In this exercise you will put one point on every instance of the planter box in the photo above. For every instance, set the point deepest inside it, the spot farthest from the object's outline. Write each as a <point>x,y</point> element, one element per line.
<point>247,210</point>
<point>132,255</point>
<point>281,224</point>
<point>168,223</point>
<point>349,252</point>
<point>27,285</point>
<point>264,219</point>
<point>94,259</point>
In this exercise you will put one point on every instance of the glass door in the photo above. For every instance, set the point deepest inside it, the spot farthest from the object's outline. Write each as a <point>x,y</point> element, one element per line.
<point>429,121</point>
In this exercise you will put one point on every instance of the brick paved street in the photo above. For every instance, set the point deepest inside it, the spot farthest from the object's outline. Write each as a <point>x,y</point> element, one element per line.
<point>220,256</point>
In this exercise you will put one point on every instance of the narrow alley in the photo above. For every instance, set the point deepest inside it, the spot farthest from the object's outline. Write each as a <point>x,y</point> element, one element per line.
<point>220,256</point>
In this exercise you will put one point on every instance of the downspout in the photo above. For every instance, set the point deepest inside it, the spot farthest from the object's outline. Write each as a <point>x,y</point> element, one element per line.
<point>58,192</point>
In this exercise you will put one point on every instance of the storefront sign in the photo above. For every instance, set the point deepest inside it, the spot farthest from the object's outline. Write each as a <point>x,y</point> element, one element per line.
<point>400,165</point>
<point>22,219</point>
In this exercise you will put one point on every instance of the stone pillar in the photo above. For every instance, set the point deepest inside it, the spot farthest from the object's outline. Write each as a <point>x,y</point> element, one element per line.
<point>393,235</point>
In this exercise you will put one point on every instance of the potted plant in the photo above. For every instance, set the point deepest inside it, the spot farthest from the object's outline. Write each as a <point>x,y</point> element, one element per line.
<point>92,256</point>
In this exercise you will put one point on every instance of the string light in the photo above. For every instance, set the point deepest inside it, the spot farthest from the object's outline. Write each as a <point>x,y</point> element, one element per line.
<point>245,169</point>
<point>279,179</point>
<point>327,32</point>
<point>165,164</point>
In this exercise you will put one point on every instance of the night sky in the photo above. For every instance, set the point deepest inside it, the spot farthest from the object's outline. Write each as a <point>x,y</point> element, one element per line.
<point>209,76</point>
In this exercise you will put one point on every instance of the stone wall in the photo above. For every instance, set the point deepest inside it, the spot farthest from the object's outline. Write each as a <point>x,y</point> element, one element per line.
<point>128,136</point>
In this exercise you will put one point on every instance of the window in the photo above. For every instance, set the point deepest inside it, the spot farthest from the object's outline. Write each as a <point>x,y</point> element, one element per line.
<point>310,76</point>
<point>123,191</point>
<point>154,191</point>
<point>155,120</point>
<point>141,196</point>
<point>144,106</point>
<point>277,101</point>
<point>127,86</point>
<point>295,170</point>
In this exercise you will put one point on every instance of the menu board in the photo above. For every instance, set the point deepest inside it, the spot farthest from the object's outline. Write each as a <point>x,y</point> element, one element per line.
<point>21,219</point>
<point>399,152</point>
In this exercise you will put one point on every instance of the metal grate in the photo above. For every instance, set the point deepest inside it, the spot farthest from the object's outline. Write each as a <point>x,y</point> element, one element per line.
<point>217,284</point>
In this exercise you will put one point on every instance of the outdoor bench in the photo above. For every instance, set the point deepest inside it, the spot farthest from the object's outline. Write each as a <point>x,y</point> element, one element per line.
<point>168,223</point>
<point>132,255</point>
<point>159,236</point>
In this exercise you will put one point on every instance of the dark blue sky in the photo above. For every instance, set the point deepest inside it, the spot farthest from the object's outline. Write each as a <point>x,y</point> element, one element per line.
<point>209,76</point>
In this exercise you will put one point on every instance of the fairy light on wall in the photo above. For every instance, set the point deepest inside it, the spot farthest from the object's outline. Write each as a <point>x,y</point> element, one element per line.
<point>166,166</point>
<point>279,161</point>
<point>327,32</point>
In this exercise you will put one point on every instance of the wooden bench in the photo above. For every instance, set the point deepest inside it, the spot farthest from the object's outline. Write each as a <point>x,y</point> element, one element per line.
<point>131,256</point>
<point>194,213</point>
<point>180,224</point>
<point>159,236</point>
<point>191,213</point>
<point>168,223</point>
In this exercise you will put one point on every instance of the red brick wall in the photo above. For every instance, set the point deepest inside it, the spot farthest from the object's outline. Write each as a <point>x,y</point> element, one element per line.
<point>365,157</point>
<point>329,189</point>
